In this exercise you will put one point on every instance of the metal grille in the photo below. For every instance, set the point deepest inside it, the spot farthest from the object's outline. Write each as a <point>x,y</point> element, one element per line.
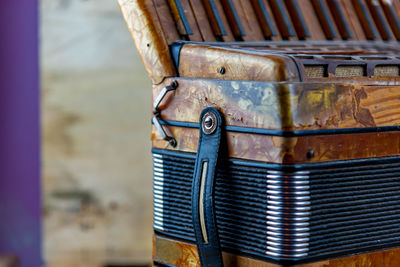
<point>286,212</point>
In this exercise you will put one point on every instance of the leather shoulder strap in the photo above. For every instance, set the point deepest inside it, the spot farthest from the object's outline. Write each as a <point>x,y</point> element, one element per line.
<point>203,211</point>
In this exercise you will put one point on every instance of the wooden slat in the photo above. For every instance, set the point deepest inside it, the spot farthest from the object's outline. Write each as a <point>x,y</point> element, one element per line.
<point>218,20</point>
<point>392,17</point>
<point>202,20</point>
<point>166,20</point>
<point>185,20</point>
<point>177,19</point>
<point>234,21</point>
<point>264,19</point>
<point>341,23</point>
<point>380,19</point>
<point>187,9</point>
<point>282,19</point>
<point>325,19</point>
<point>396,5</point>
<point>250,22</point>
<point>352,19</point>
<point>298,20</point>
<point>311,20</point>
<point>270,13</point>
<point>365,19</point>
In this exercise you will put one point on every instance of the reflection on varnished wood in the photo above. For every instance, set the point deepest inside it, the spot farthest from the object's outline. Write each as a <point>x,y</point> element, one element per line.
<point>184,255</point>
<point>287,106</point>
<point>199,61</point>
<point>277,149</point>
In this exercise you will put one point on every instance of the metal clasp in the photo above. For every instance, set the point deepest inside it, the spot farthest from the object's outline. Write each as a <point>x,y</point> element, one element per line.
<point>157,113</point>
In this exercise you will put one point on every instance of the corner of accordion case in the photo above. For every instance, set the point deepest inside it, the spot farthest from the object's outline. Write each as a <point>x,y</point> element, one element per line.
<point>146,30</point>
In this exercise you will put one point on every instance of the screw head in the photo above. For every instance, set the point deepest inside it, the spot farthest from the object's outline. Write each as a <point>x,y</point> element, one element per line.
<point>222,70</point>
<point>310,154</point>
<point>172,142</point>
<point>209,124</point>
<point>174,84</point>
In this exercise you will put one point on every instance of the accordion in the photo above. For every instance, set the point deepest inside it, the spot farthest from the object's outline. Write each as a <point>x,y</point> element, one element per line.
<point>275,130</point>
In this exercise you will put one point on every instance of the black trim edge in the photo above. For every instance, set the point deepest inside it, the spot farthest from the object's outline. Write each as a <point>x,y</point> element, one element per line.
<point>282,133</point>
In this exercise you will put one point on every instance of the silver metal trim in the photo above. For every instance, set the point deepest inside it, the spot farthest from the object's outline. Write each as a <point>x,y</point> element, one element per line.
<point>278,176</point>
<point>301,224</point>
<point>155,155</point>
<point>159,170</point>
<point>157,182</point>
<point>299,188</point>
<point>291,229</point>
<point>285,203</point>
<point>288,235</point>
<point>274,254</point>
<point>289,215</point>
<point>289,173</point>
<point>280,182</point>
<point>294,240</point>
<point>156,187</point>
<point>288,209</point>
<point>160,174</point>
<point>279,218</point>
<point>157,112</point>
<point>158,165</point>
<point>201,201</point>
<point>158,214</point>
<point>279,197</point>
<point>278,244</point>
<point>277,192</point>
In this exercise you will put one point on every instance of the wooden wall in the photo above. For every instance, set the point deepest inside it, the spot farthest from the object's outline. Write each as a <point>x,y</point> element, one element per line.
<point>96,175</point>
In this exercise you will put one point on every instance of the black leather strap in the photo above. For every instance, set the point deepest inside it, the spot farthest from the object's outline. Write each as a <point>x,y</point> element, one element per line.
<point>203,211</point>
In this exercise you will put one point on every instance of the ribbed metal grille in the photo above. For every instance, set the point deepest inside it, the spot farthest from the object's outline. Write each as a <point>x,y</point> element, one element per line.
<point>291,212</point>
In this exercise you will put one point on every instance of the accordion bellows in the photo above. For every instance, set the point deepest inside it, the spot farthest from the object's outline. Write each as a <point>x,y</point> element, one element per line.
<point>281,212</point>
<point>309,163</point>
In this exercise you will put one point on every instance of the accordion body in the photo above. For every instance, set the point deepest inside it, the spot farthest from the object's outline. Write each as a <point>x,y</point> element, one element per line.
<point>276,130</point>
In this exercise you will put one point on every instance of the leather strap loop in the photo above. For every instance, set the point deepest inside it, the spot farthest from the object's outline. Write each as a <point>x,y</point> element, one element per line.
<point>203,211</point>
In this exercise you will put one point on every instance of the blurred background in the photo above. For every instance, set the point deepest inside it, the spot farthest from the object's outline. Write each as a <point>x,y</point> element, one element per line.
<point>96,151</point>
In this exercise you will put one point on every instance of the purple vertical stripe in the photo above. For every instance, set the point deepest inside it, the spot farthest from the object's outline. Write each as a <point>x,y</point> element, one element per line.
<point>19,131</point>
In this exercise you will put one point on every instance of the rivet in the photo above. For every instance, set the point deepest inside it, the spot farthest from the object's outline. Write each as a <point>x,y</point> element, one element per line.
<point>310,154</point>
<point>209,124</point>
<point>222,70</point>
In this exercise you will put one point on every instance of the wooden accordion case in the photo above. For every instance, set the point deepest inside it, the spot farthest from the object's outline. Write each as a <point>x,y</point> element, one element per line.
<point>275,130</point>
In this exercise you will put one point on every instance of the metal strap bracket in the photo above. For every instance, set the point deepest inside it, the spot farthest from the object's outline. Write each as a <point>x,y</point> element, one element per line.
<point>157,113</point>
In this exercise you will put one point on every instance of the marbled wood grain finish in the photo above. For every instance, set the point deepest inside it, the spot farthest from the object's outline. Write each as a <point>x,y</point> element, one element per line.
<point>369,81</point>
<point>284,106</point>
<point>243,146</point>
<point>185,255</point>
<point>290,150</point>
<point>204,62</point>
<point>147,32</point>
